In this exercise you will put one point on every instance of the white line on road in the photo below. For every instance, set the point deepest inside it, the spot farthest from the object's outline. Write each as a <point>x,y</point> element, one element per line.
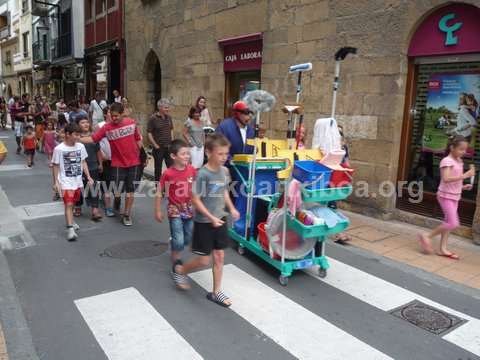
<point>14,167</point>
<point>127,327</point>
<point>387,296</point>
<point>302,333</point>
<point>38,211</point>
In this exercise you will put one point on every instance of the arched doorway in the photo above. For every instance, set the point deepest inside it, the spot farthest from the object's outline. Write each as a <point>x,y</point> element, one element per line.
<point>153,74</point>
<point>444,67</point>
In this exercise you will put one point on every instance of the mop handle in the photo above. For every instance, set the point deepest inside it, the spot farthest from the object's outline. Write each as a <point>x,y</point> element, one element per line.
<point>335,87</point>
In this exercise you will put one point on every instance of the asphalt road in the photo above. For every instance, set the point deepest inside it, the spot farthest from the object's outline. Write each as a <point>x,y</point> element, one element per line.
<point>61,300</point>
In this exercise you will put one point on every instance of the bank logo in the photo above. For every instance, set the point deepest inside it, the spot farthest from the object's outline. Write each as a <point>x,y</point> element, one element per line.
<point>450,38</point>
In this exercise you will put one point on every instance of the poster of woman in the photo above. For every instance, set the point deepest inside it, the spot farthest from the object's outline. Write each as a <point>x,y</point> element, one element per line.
<point>452,109</point>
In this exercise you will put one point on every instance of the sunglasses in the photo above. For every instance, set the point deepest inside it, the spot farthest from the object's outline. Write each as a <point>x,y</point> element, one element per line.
<point>246,112</point>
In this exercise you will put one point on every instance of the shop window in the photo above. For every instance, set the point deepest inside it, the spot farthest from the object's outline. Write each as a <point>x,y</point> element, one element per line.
<point>445,95</point>
<point>101,7</point>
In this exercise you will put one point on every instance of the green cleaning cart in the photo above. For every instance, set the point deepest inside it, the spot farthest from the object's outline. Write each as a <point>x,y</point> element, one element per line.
<point>276,253</point>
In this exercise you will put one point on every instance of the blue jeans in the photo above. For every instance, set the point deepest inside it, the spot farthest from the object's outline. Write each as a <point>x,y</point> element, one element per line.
<point>181,231</point>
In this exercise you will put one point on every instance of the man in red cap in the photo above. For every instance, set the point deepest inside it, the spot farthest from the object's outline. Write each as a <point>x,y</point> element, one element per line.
<point>237,129</point>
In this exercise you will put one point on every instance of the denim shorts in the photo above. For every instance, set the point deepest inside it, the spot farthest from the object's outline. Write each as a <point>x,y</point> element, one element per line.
<point>181,231</point>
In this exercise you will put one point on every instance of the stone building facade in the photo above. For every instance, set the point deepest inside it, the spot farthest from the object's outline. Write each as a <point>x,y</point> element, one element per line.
<point>173,51</point>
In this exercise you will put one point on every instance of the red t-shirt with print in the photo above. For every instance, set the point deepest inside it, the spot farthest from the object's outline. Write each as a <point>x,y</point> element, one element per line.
<point>123,138</point>
<point>178,185</point>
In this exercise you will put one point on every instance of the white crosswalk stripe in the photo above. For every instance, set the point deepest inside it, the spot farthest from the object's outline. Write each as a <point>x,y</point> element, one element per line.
<point>280,318</point>
<point>127,327</point>
<point>387,296</point>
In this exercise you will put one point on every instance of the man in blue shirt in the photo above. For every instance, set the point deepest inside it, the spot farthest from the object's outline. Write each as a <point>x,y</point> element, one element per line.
<point>237,129</point>
<point>75,111</point>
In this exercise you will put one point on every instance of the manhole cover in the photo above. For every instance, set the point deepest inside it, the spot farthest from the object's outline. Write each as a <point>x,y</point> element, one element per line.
<point>136,250</point>
<point>427,317</point>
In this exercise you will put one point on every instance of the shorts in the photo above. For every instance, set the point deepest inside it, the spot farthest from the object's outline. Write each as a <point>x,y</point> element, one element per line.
<point>106,175</point>
<point>30,152</point>
<point>180,232</point>
<point>126,179</point>
<point>71,197</point>
<point>207,238</point>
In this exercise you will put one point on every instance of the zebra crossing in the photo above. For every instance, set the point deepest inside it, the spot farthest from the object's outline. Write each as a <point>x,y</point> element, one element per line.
<point>127,326</point>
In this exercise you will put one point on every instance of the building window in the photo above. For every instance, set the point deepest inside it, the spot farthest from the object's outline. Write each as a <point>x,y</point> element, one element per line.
<point>89,9</point>
<point>8,58</point>
<point>111,3</point>
<point>25,5</point>
<point>101,6</point>
<point>25,44</point>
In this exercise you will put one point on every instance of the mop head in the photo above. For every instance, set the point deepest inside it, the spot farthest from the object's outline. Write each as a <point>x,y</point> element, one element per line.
<point>259,101</point>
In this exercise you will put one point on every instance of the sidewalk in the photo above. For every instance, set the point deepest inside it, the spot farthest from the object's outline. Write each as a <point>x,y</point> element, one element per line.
<point>398,241</point>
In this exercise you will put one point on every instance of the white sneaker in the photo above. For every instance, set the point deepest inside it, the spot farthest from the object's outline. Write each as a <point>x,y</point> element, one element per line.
<point>75,226</point>
<point>71,234</point>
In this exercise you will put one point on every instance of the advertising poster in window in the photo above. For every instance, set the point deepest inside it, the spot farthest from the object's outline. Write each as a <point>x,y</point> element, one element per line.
<point>452,109</point>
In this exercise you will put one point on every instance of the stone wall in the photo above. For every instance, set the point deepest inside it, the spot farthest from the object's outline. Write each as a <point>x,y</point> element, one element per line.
<point>184,35</point>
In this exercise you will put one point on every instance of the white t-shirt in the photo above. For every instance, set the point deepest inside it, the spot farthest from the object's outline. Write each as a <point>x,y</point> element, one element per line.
<point>243,131</point>
<point>118,99</point>
<point>69,159</point>
<point>97,110</point>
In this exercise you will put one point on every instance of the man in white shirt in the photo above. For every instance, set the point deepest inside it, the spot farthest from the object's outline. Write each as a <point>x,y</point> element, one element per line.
<point>97,106</point>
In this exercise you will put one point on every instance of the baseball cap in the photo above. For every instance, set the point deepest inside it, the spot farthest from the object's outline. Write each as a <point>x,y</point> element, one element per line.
<point>242,107</point>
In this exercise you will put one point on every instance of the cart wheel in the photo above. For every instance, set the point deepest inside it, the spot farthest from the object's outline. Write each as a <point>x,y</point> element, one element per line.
<point>283,280</point>
<point>322,273</point>
<point>241,250</point>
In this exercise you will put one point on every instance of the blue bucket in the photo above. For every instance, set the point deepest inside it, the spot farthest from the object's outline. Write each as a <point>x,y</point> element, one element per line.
<point>311,173</point>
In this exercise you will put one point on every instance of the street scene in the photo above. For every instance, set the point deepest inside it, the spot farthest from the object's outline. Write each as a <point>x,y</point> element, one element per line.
<point>237,179</point>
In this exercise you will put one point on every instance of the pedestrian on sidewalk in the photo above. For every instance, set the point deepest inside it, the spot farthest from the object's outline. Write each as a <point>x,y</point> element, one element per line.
<point>3,112</point>
<point>97,106</point>
<point>205,116</point>
<point>125,143</point>
<point>160,135</point>
<point>49,139</point>
<point>69,165</point>
<point>18,118</point>
<point>195,137</point>
<point>29,144</point>
<point>210,234</point>
<point>105,172</point>
<point>94,161</point>
<point>449,194</point>
<point>177,182</point>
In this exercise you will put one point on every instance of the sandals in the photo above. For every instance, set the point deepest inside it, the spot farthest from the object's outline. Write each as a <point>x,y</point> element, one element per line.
<point>219,298</point>
<point>425,244</point>
<point>342,239</point>
<point>181,281</point>
<point>77,211</point>
<point>452,256</point>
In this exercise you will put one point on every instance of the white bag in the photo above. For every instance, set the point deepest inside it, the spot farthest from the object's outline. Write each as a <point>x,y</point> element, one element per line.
<point>197,156</point>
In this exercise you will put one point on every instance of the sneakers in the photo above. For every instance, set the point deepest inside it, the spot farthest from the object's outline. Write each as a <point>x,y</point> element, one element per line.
<point>75,226</point>
<point>71,234</point>
<point>127,221</point>
<point>109,212</point>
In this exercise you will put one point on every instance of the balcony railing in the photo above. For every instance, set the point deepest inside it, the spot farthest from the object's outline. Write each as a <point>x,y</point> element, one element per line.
<point>62,46</point>
<point>40,52</point>
<point>5,33</point>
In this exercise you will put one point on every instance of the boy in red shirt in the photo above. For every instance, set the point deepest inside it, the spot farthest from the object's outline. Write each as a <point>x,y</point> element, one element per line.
<point>125,143</point>
<point>29,143</point>
<point>177,182</point>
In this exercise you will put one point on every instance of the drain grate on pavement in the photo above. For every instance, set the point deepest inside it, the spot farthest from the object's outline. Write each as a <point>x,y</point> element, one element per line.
<point>428,318</point>
<point>136,250</point>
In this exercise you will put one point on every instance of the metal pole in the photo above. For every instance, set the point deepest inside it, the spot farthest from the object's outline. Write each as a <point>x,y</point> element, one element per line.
<point>335,87</point>
<point>251,179</point>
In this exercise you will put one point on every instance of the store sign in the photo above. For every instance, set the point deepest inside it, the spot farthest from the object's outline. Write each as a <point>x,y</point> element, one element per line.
<point>242,57</point>
<point>450,30</point>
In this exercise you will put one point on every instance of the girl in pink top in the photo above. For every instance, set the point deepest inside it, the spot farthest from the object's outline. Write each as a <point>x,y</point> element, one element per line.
<point>449,194</point>
<point>49,140</point>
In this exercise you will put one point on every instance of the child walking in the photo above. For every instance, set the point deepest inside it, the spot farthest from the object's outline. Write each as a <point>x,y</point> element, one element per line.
<point>210,234</point>
<point>449,194</point>
<point>49,140</point>
<point>69,166</point>
<point>29,143</point>
<point>177,182</point>
<point>94,161</point>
